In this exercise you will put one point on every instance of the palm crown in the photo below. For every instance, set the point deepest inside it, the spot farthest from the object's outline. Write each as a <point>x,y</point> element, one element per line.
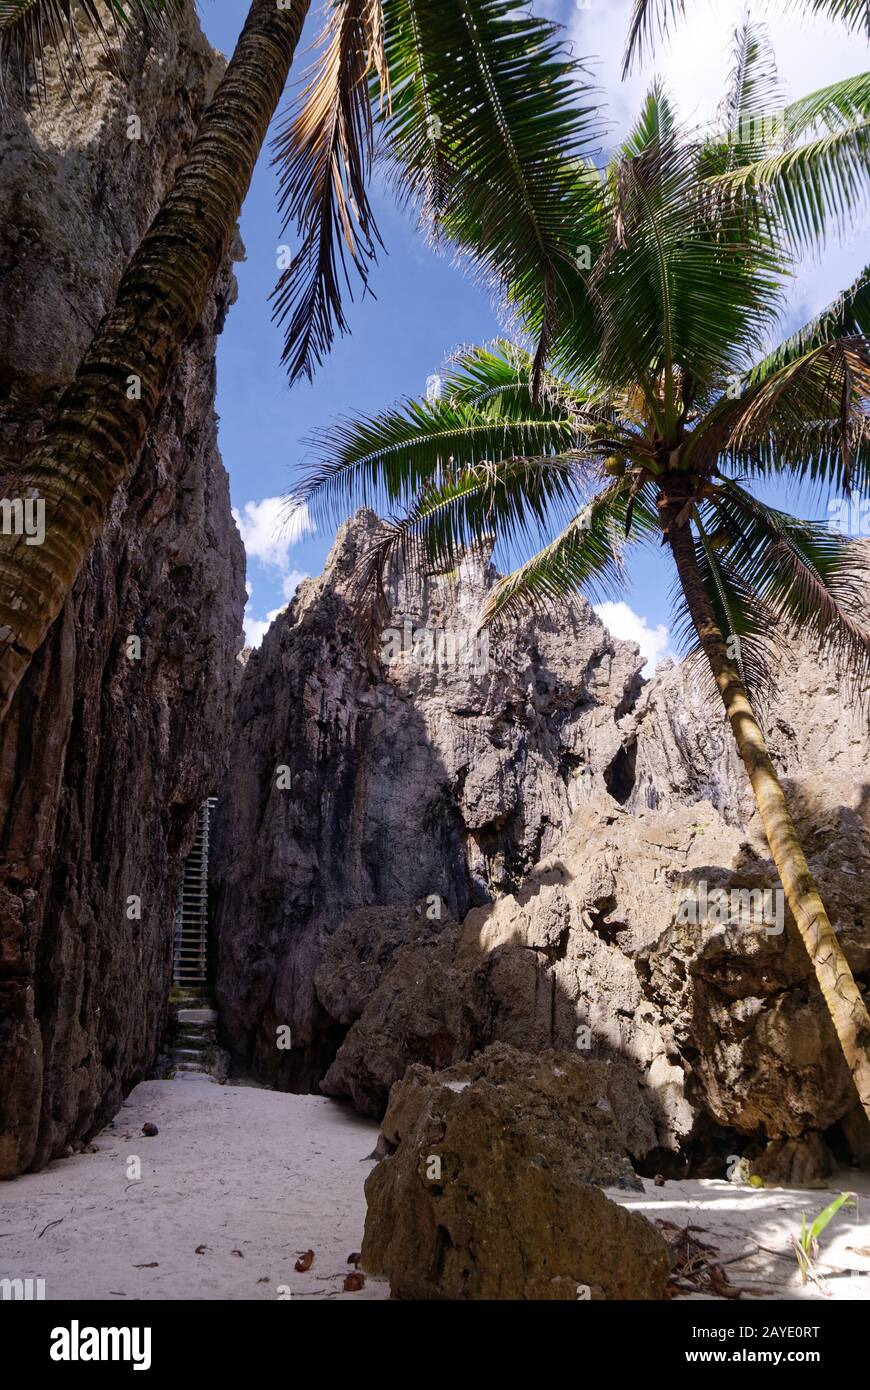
<point>647,15</point>
<point>661,402</point>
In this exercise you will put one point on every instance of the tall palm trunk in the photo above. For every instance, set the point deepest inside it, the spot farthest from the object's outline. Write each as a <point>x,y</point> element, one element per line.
<point>842,996</point>
<point>94,437</point>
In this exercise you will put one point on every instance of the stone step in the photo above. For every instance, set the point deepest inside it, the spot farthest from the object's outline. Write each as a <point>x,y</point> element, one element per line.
<point>191,1036</point>
<point>196,1016</point>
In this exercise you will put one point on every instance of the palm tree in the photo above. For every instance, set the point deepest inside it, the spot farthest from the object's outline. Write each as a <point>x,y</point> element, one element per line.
<point>478,119</point>
<point>652,428</point>
<point>95,434</point>
<point>646,14</point>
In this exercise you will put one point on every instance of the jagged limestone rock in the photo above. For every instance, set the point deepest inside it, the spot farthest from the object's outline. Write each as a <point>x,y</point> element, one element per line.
<point>493,1188</point>
<point>560,807</point>
<point>105,757</point>
<point>719,1025</point>
<point>407,781</point>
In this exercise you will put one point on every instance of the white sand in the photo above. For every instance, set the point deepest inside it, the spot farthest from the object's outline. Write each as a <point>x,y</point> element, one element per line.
<point>233,1168</point>
<point>240,1168</point>
<point>737,1220</point>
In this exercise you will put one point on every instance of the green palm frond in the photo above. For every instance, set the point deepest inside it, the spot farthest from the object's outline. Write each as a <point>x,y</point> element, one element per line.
<point>818,179</point>
<point>651,411</point>
<point>813,580</point>
<point>497,378</point>
<point>645,17</point>
<point>753,92</point>
<point>835,107</point>
<point>800,401</point>
<point>489,128</point>
<point>749,125</point>
<point>855,14</point>
<point>847,317</point>
<point>385,460</point>
<point>656,129</point>
<point>807,453</point>
<point>684,284</point>
<point>482,120</point>
<point>586,557</point>
<point>830,381</point>
<point>31,30</point>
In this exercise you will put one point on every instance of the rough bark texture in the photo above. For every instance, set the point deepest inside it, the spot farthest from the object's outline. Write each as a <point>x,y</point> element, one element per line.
<point>103,758</point>
<point>97,429</point>
<point>842,995</point>
<point>490,1191</point>
<point>418,782</point>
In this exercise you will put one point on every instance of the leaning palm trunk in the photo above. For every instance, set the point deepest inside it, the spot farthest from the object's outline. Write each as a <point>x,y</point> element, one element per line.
<point>842,996</point>
<point>93,440</point>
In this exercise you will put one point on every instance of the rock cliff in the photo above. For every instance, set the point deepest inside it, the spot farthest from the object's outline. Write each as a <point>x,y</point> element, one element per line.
<point>111,745</point>
<point>457,856</point>
<point>441,778</point>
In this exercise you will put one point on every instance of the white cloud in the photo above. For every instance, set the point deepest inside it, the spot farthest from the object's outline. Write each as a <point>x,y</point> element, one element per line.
<point>622,621</point>
<point>291,582</point>
<point>270,528</point>
<point>256,628</point>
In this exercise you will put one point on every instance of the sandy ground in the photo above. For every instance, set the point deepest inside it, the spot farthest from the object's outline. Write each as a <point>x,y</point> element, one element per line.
<point>251,1178</point>
<point>254,1176</point>
<point>750,1229</point>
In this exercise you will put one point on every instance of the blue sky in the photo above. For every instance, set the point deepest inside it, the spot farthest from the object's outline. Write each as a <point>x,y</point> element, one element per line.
<point>425,306</point>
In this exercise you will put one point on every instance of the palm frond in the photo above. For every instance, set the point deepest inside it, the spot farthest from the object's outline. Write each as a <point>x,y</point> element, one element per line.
<point>855,14</point>
<point>818,180</point>
<point>802,411</point>
<point>834,107</point>
<point>830,381</point>
<point>753,93</point>
<point>807,454</point>
<point>324,150</point>
<point>684,286</point>
<point>385,460</point>
<point>649,14</point>
<point>586,557</point>
<point>847,317</point>
<point>646,15</point>
<point>490,125</point>
<point>811,580</point>
<point>30,30</point>
<point>497,377</point>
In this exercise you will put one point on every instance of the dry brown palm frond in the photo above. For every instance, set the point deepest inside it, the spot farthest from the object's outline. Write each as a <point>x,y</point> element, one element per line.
<point>324,151</point>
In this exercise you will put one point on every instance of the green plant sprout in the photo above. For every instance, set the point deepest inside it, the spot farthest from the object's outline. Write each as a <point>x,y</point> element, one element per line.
<point>807,1248</point>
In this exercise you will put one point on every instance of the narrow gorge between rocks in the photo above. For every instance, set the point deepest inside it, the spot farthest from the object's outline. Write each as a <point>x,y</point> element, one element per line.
<point>440,923</point>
